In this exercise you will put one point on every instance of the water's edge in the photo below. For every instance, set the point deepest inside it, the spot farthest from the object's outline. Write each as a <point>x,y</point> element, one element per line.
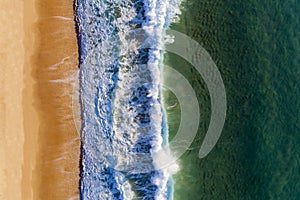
<point>116,74</point>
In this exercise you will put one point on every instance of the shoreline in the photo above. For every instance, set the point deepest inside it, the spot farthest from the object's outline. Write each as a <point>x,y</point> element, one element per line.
<point>56,69</point>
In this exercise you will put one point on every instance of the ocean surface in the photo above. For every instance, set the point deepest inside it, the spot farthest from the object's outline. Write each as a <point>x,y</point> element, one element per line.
<point>255,45</point>
<point>123,122</point>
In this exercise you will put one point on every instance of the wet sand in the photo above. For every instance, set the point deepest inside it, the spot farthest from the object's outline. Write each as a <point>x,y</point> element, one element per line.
<point>39,146</point>
<point>55,69</point>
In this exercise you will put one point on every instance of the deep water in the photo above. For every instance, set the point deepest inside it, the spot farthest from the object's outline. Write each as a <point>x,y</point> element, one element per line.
<point>256,47</point>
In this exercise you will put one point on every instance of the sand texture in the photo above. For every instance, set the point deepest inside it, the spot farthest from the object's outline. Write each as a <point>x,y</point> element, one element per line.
<point>39,146</point>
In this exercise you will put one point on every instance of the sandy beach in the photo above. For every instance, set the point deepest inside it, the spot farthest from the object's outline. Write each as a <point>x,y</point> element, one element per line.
<point>12,56</point>
<point>39,146</point>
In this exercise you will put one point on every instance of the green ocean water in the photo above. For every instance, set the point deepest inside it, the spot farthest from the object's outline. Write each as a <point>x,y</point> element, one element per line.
<point>256,46</point>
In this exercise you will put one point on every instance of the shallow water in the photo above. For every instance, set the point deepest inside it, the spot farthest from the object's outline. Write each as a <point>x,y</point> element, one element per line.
<point>255,45</point>
<point>119,91</point>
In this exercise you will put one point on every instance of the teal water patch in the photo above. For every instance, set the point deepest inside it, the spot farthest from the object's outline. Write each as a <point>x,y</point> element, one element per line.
<point>256,47</point>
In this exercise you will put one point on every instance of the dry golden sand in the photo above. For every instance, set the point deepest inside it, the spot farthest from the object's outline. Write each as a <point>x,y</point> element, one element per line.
<point>11,112</point>
<point>39,146</point>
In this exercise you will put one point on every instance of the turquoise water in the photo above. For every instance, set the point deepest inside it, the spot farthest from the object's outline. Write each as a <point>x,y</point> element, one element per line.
<point>256,47</point>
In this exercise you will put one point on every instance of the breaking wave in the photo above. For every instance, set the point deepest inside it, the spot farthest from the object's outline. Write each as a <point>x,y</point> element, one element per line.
<point>123,119</point>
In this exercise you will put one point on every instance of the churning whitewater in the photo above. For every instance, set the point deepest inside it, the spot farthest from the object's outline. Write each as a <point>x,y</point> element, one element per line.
<point>123,124</point>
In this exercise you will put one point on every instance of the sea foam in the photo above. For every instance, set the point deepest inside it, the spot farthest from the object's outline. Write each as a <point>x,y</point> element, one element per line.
<point>121,46</point>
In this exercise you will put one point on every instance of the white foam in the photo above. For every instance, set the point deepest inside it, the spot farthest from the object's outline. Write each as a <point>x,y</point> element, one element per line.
<point>106,115</point>
<point>62,18</point>
<point>56,65</point>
